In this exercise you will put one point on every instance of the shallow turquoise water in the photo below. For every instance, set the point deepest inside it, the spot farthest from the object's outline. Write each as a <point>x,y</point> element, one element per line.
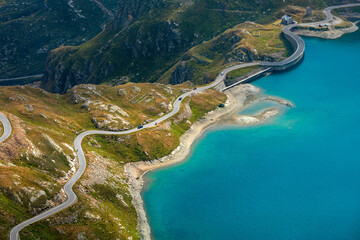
<point>295,177</point>
<point>258,106</point>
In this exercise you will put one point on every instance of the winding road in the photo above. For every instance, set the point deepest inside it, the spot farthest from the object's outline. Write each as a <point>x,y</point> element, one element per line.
<point>329,16</point>
<point>68,188</point>
<point>298,43</point>
<point>299,47</point>
<point>7,127</point>
<point>21,78</point>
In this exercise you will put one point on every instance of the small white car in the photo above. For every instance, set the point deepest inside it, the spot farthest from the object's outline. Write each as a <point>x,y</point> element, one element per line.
<point>222,73</point>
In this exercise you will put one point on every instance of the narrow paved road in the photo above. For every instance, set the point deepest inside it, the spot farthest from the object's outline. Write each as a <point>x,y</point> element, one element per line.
<point>7,127</point>
<point>14,234</point>
<point>329,16</point>
<point>299,49</point>
<point>21,78</point>
<point>68,188</point>
<point>300,44</point>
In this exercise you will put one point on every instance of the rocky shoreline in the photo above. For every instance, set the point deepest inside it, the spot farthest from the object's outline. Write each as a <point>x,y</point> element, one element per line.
<point>334,30</point>
<point>330,34</point>
<point>238,98</point>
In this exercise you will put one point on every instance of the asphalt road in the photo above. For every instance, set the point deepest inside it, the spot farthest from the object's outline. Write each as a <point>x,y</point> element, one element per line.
<point>21,78</point>
<point>300,49</point>
<point>329,16</point>
<point>68,187</point>
<point>14,234</point>
<point>7,127</point>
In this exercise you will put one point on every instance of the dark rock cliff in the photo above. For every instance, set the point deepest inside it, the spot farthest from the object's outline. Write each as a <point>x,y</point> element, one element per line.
<point>63,70</point>
<point>182,73</point>
<point>129,11</point>
<point>122,55</point>
<point>147,38</point>
<point>60,76</point>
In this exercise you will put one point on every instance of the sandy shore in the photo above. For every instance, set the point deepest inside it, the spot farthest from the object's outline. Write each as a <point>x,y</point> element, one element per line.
<point>238,98</point>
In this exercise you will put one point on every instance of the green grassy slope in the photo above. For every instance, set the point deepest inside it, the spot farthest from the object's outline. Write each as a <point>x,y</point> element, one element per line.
<point>38,157</point>
<point>153,44</point>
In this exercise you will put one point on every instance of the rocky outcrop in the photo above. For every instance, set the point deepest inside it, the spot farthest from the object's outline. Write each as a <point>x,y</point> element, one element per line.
<point>240,55</point>
<point>61,75</point>
<point>145,40</point>
<point>159,41</point>
<point>182,73</point>
<point>63,70</point>
<point>131,10</point>
<point>246,55</point>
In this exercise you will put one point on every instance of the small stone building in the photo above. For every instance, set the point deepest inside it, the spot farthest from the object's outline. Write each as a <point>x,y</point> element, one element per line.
<point>286,20</point>
<point>308,11</point>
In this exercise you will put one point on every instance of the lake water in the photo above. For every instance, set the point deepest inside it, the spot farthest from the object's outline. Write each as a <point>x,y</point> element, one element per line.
<point>295,177</point>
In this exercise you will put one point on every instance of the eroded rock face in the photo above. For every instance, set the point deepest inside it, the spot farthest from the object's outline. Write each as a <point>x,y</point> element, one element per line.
<point>181,74</point>
<point>60,75</point>
<point>241,55</point>
<point>131,10</point>
<point>63,71</point>
<point>164,38</point>
<point>246,55</point>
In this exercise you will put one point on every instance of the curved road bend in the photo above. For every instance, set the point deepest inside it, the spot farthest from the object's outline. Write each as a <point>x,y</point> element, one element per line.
<point>329,16</point>
<point>14,234</point>
<point>298,53</point>
<point>68,188</point>
<point>7,127</point>
<point>300,48</point>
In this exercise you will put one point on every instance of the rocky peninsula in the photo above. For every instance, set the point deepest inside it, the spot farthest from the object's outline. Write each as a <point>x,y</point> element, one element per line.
<point>336,28</point>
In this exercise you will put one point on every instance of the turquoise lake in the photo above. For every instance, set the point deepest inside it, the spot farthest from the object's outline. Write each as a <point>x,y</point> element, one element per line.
<point>295,177</point>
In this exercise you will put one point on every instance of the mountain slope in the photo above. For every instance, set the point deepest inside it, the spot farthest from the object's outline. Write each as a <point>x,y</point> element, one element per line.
<point>30,29</point>
<point>38,158</point>
<point>146,40</point>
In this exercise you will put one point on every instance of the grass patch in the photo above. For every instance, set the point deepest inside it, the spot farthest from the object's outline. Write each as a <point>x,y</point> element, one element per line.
<point>240,72</point>
<point>343,25</point>
<point>1,129</point>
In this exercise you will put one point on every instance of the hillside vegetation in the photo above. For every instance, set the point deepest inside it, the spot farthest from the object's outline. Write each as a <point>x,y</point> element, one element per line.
<point>39,158</point>
<point>147,45</point>
<point>29,29</point>
<point>245,42</point>
<point>149,37</point>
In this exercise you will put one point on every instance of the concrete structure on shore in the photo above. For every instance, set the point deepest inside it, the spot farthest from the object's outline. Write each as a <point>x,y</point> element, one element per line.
<point>249,78</point>
<point>298,45</point>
